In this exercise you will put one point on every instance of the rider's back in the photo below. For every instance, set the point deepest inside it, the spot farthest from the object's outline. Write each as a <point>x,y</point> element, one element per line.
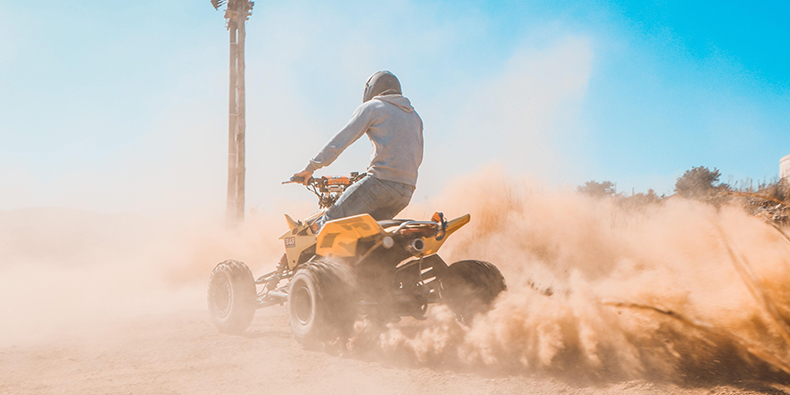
<point>394,129</point>
<point>396,135</point>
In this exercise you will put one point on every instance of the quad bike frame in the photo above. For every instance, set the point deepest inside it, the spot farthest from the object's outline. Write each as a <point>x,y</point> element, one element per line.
<point>354,266</point>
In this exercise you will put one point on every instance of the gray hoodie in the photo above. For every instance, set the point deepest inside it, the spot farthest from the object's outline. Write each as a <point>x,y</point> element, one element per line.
<point>394,129</point>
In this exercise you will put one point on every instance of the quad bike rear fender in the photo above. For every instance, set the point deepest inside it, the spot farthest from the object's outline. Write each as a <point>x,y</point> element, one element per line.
<point>432,245</point>
<point>339,238</point>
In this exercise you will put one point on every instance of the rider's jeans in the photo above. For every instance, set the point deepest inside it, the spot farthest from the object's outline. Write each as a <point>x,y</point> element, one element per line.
<point>381,199</point>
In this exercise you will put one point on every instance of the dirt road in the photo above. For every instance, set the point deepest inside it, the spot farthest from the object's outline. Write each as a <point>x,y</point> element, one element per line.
<point>184,354</point>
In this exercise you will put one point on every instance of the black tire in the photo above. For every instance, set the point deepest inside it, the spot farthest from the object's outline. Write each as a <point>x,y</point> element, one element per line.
<point>231,296</point>
<point>321,303</point>
<point>470,287</point>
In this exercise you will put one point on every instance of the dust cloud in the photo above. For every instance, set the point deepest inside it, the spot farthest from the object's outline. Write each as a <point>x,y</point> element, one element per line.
<point>601,292</point>
<point>595,291</point>
<point>66,271</point>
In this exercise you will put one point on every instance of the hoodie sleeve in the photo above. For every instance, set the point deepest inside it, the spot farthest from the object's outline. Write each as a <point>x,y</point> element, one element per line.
<point>357,126</point>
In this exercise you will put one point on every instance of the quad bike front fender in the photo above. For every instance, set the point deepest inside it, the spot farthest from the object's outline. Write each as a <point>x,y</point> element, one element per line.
<point>298,238</point>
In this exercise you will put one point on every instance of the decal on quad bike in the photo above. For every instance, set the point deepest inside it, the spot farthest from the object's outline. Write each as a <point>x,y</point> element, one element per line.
<point>329,240</point>
<point>350,248</point>
<point>346,231</point>
<point>358,224</point>
<point>290,242</point>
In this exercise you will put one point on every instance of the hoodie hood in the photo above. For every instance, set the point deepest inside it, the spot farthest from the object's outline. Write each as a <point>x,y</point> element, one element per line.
<point>381,83</point>
<point>397,101</point>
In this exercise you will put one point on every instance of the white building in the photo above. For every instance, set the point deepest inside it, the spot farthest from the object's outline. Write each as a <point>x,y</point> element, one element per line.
<point>784,168</point>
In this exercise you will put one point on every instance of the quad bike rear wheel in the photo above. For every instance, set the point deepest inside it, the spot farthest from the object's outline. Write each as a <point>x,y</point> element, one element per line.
<point>231,296</point>
<point>470,287</point>
<point>321,306</point>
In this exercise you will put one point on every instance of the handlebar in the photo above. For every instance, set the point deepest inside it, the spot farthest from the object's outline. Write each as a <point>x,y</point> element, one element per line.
<point>327,189</point>
<point>355,176</point>
<point>298,180</point>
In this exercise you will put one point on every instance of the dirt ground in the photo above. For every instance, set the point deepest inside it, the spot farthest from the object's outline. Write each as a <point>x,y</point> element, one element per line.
<point>184,354</point>
<point>115,304</point>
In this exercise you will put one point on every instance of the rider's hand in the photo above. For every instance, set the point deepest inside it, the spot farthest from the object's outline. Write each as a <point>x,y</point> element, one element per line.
<point>305,175</point>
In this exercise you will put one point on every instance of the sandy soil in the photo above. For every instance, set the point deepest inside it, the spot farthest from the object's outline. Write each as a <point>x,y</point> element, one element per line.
<point>184,354</point>
<point>115,304</point>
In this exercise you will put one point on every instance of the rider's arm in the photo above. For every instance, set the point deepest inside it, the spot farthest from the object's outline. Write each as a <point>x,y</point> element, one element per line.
<point>357,126</point>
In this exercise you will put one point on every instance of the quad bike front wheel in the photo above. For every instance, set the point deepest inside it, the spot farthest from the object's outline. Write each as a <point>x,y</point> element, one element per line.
<point>231,296</point>
<point>321,306</point>
<point>470,287</point>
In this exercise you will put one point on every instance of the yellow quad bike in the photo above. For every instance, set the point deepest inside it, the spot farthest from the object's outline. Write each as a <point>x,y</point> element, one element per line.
<point>352,267</point>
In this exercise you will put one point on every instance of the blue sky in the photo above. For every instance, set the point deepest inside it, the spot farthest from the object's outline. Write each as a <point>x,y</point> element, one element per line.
<point>122,106</point>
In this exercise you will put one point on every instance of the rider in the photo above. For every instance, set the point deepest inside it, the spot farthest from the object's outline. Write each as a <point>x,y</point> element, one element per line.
<point>395,130</point>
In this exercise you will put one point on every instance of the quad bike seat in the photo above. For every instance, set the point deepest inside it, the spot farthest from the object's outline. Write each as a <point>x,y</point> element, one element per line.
<point>392,222</point>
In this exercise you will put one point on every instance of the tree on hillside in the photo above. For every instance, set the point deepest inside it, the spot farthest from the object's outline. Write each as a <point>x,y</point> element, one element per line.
<point>642,199</point>
<point>699,183</point>
<point>597,189</point>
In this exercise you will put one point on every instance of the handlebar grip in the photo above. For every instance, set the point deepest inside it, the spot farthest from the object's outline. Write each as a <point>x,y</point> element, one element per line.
<point>298,180</point>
